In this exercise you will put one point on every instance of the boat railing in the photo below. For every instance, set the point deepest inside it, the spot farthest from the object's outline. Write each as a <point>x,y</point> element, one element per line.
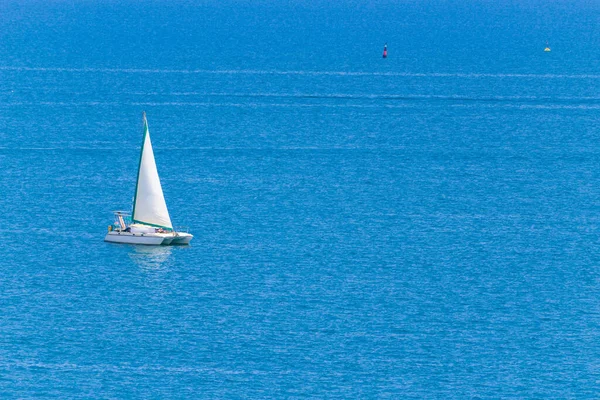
<point>122,219</point>
<point>182,229</point>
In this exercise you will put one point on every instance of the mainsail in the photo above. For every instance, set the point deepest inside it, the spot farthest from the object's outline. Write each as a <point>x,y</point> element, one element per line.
<point>149,206</point>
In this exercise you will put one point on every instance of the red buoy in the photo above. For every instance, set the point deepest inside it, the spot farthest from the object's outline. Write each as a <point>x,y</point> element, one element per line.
<point>385,51</point>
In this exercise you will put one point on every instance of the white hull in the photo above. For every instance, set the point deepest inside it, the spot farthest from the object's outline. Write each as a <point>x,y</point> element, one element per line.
<point>149,239</point>
<point>182,238</point>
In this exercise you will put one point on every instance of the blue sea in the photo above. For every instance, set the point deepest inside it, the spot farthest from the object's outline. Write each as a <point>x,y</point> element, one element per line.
<point>425,226</point>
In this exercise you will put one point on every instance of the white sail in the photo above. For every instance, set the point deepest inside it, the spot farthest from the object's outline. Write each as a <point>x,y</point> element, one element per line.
<point>149,206</point>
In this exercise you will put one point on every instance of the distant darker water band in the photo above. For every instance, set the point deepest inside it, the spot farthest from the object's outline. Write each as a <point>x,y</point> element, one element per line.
<point>306,73</point>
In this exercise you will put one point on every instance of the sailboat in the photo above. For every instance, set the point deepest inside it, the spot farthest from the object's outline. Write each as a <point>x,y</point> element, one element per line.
<point>547,49</point>
<point>149,223</point>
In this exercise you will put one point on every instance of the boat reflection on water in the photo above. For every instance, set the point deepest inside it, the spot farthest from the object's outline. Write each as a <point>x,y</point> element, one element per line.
<point>151,257</point>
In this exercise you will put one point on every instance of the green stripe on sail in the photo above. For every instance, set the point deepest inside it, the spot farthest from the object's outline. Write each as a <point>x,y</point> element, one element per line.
<point>139,165</point>
<point>152,225</point>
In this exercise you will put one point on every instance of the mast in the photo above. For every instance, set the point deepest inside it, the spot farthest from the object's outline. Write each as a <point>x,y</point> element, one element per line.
<point>137,180</point>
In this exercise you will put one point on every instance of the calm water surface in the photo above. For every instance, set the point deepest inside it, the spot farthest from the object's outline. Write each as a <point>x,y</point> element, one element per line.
<point>424,226</point>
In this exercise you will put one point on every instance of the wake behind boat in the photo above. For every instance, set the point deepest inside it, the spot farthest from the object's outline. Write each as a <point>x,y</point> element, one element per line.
<point>149,223</point>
